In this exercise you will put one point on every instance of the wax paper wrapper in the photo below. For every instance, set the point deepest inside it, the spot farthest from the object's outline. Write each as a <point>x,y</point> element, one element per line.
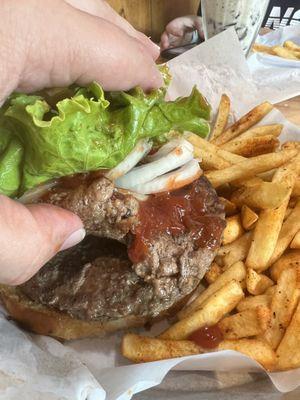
<point>34,367</point>
<point>277,72</point>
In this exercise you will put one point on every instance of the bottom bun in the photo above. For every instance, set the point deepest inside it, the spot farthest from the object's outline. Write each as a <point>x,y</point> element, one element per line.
<point>40,319</point>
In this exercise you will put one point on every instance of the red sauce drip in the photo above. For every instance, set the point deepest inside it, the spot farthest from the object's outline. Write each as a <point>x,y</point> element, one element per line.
<point>208,337</point>
<point>174,213</point>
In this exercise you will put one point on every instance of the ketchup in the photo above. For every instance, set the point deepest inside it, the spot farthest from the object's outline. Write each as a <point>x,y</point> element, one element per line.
<point>207,337</point>
<point>175,213</point>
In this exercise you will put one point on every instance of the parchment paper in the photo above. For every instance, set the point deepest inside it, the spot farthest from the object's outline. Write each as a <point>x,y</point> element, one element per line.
<point>33,367</point>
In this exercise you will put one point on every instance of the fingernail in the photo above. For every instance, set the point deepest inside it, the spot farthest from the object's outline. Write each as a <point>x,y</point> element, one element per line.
<point>75,238</point>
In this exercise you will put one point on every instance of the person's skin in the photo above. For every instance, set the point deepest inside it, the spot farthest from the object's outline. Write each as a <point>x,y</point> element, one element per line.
<point>51,43</point>
<point>178,32</point>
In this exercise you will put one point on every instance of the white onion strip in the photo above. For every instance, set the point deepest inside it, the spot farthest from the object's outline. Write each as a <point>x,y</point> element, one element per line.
<point>171,181</point>
<point>177,157</point>
<point>164,150</point>
<point>33,195</point>
<point>134,157</point>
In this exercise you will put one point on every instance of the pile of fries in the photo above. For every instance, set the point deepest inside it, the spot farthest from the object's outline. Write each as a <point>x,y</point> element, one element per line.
<point>253,286</point>
<point>288,50</point>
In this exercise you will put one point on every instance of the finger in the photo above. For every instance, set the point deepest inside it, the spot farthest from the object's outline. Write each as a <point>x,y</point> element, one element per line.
<point>164,41</point>
<point>101,9</point>
<point>98,51</point>
<point>32,235</point>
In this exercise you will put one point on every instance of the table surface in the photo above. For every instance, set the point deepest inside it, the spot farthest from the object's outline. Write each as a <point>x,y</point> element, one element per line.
<point>291,109</point>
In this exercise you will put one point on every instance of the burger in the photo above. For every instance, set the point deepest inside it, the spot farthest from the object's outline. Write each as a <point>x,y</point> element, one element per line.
<point>120,161</point>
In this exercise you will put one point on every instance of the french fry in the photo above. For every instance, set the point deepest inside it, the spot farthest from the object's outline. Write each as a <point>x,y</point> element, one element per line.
<point>236,251</point>
<point>257,283</point>
<point>264,242</point>
<point>246,323</point>
<point>289,44</point>
<point>296,189</point>
<point>212,156</point>
<point>233,229</point>
<point>290,259</point>
<point>288,213</point>
<point>283,305</point>
<point>145,349</point>
<point>222,117</point>
<point>288,351</point>
<point>284,53</point>
<point>253,146</point>
<point>295,244</point>
<point>248,217</point>
<point>253,348</point>
<point>213,273</point>
<point>230,207</point>
<point>262,196</point>
<point>213,309</point>
<point>252,302</point>
<point>291,145</point>
<point>289,229</point>
<point>237,272</point>
<point>244,123</point>
<point>260,48</point>
<point>250,167</point>
<point>257,131</point>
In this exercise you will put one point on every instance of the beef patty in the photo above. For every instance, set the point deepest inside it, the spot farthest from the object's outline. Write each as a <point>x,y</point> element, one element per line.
<point>141,258</point>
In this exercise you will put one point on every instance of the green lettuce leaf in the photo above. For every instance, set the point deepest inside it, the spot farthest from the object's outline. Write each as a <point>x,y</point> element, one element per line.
<point>42,139</point>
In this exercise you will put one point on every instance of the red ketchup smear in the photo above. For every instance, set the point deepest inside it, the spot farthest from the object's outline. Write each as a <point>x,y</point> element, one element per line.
<point>177,212</point>
<point>207,337</point>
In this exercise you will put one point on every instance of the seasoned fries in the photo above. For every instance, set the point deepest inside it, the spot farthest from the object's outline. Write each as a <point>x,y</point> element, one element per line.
<point>243,124</point>
<point>233,229</point>
<point>250,167</point>
<point>259,350</point>
<point>213,309</point>
<point>253,287</point>
<point>289,50</point>
<point>237,271</point>
<point>222,117</point>
<point>145,349</point>
<point>264,195</point>
<point>249,217</point>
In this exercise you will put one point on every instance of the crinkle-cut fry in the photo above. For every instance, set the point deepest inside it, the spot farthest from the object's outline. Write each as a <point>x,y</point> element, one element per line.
<point>262,196</point>
<point>289,259</point>
<point>257,131</point>
<point>288,351</point>
<point>244,123</point>
<point>256,349</point>
<point>295,244</point>
<point>248,217</point>
<point>250,167</point>
<point>213,273</point>
<point>212,156</point>
<point>283,305</point>
<point>267,229</point>
<point>246,323</point>
<point>233,229</point>
<point>257,283</point>
<point>289,229</point>
<point>261,48</point>
<point>146,349</point>
<point>237,272</point>
<point>253,146</point>
<point>212,310</point>
<point>222,117</point>
<point>252,302</point>
<point>236,251</point>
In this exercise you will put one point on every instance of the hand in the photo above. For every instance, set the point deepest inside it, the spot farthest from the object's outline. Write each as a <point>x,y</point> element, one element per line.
<point>180,31</point>
<point>50,44</point>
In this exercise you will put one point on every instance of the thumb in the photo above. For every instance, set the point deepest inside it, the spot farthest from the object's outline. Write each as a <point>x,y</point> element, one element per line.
<point>31,235</point>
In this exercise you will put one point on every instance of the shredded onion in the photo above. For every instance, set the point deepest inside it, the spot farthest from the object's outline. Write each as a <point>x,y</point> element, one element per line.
<point>178,156</point>
<point>171,181</point>
<point>141,149</point>
<point>33,195</point>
